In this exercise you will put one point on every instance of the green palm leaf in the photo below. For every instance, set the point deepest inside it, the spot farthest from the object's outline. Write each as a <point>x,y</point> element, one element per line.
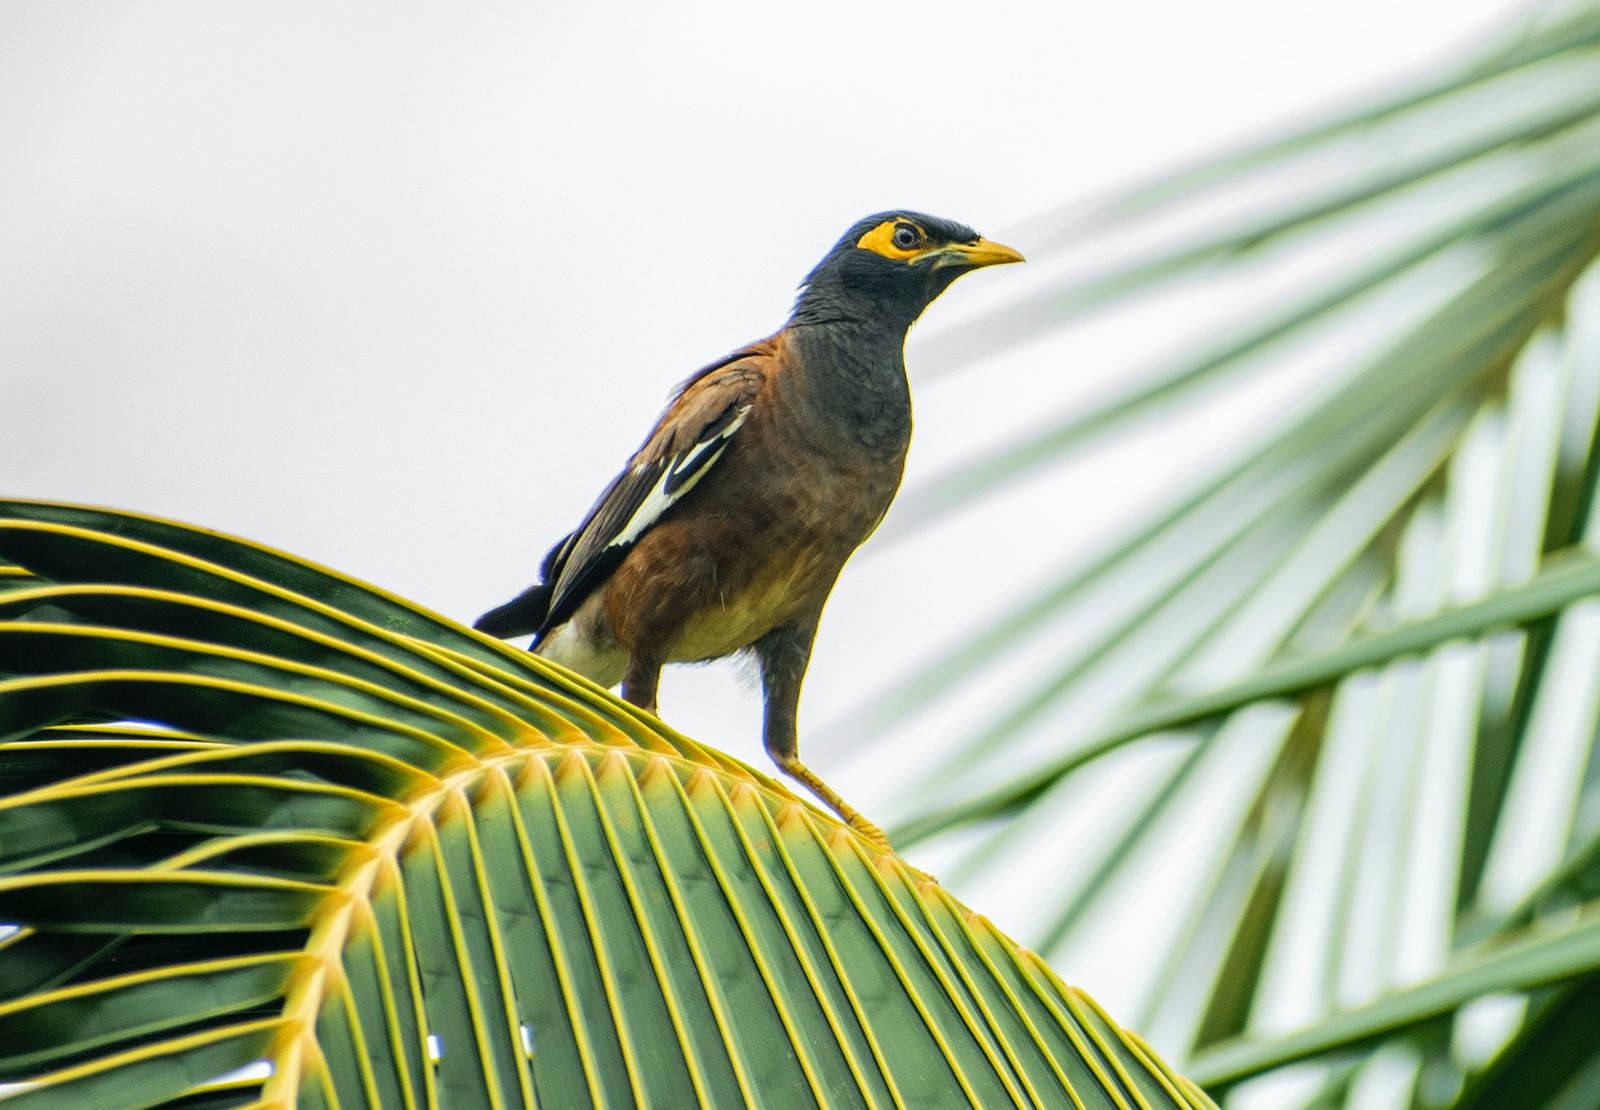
<point>257,816</point>
<point>1333,707</point>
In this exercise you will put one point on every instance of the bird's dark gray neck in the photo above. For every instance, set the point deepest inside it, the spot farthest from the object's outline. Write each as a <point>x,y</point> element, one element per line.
<point>855,379</point>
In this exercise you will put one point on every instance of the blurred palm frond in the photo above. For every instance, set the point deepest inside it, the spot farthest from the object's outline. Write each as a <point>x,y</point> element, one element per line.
<point>1336,703</point>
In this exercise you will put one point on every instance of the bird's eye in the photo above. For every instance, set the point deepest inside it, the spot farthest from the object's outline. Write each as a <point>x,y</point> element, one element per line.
<point>906,237</point>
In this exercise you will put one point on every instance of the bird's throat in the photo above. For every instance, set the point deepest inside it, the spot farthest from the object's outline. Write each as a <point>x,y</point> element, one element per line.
<point>855,380</point>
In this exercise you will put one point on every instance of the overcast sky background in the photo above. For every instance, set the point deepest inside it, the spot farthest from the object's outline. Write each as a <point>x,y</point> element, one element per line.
<point>398,287</point>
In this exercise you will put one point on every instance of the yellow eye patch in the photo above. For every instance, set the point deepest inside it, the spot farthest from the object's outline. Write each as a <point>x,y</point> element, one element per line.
<point>880,240</point>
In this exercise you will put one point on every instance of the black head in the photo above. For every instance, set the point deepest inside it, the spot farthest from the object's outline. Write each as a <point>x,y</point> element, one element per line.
<point>891,266</point>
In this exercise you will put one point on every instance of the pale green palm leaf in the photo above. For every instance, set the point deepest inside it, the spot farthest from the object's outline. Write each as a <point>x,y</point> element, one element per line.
<point>1350,678</point>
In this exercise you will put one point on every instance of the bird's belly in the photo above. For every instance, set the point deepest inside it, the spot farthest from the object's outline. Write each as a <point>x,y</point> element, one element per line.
<point>739,619</point>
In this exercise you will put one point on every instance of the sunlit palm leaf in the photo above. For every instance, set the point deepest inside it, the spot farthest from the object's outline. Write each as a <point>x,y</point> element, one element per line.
<point>253,813</point>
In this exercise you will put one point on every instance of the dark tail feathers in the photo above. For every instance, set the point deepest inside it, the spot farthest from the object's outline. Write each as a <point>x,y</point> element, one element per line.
<point>522,614</point>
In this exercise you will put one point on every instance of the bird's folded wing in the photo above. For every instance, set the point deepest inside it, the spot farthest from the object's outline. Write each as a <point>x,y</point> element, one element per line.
<point>687,442</point>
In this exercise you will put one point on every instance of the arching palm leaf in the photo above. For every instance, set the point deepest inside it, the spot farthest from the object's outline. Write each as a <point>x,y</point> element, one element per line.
<point>255,815</point>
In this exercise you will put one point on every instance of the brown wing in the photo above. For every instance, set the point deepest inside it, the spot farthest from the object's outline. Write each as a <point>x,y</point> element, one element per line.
<point>682,448</point>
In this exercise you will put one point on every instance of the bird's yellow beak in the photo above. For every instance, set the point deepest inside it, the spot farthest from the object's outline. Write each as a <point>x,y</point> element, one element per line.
<point>969,255</point>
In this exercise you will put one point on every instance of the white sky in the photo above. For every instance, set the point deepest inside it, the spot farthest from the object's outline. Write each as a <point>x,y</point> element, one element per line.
<point>398,287</point>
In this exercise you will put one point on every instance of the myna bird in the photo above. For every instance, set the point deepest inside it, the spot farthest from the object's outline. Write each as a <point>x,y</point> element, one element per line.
<point>728,527</point>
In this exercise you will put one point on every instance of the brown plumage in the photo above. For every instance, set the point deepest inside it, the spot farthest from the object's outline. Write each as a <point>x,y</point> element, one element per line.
<point>729,526</point>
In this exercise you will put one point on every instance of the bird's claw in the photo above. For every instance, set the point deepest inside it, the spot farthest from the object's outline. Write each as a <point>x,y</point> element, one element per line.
<point>867,829</point>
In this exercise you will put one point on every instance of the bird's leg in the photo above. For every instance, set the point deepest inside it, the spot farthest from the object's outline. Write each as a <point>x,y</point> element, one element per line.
<point>641,681</point>
<point>784,653</point>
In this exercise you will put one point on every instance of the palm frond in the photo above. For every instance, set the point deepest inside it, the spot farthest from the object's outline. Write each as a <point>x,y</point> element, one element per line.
<point>1335,704</point>
<point>254,815</point>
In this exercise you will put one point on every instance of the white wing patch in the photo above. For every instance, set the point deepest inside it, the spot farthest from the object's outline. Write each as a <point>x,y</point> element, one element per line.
<point>678,479</point>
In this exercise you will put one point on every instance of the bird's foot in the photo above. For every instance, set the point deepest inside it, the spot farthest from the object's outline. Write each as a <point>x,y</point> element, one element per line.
<point>848,813</point>
<point>867,829</point>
